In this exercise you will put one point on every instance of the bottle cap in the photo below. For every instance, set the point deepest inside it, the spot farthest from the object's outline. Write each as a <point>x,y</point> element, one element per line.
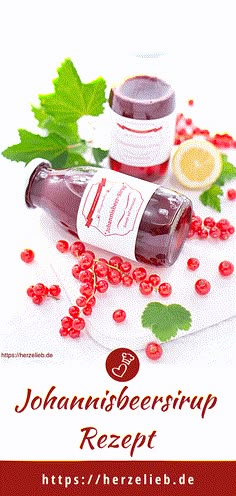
<point>30,168</point>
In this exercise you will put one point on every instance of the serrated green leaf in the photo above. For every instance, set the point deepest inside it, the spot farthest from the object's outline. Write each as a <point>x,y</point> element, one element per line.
<point>99,154</point>
<point>68,131</point>
<point>60,161</point>
<point>180,316</point>
<point>164,333</point>
<point>72,99</point>
<point>165,320</point>
<point>34,146</point>
<point>75,160</point>
<point>150,313</point>
<point>228,172</point>
<point>211,197</point>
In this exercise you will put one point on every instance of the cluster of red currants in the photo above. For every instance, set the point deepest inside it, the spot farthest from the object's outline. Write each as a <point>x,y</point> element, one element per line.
<point>208,227</point>
<point>95,275</point>
<point>38,292</point>
<point>186,129</point>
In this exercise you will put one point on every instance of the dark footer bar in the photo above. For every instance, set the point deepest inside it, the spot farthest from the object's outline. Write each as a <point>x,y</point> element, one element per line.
<point>126,478</point>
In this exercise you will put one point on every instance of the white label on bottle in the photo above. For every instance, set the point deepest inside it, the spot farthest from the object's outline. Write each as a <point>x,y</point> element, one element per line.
<point>142,143</point>
<point>111,209</point>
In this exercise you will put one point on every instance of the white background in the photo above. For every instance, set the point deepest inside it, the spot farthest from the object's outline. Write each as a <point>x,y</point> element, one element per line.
<point>102,38</point>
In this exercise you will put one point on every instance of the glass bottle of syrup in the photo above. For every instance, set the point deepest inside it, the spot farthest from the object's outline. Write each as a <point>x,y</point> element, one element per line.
<point>143,126</point>
<point>121,214</point>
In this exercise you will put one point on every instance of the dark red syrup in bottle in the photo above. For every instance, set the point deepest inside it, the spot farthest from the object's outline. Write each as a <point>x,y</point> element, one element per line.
<point>143,127</point>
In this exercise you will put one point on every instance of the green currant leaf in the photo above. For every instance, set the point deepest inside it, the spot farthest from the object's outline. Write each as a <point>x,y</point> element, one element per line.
<point>99,154</point>
<point>72,99</point>
<point>68,131</point>
<point>211,197</point>
<point>164,332</point>
<point>180,316</point>
<point>228,172</point>
<point>76,160</point>
<point>33,146</point>
<point>60,161</point>
<point>165,320</point>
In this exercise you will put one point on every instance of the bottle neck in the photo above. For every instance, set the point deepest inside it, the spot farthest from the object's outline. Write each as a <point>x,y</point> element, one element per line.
<point>39,173</point>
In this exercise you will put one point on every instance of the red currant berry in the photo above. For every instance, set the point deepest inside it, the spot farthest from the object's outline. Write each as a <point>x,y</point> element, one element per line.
<point>85,276</point>
<point>74,333</point>
<point>74,311</point>
<point>103,260</point>
<point>114,276</point>
<point>77,248</point>
<point>223,224</point>
<point>224,234</point>
<point>153,351</point>
<point>231,194</point>
<point>154,279</point>
<point>115,261</point>
<point>202,286</point>
<point>39,289</point>
<point>231,230</point>
<point>165,289</point>
<point>87,310</point>
<point>37,299</point>
<point>189,121</point>
<point>209,222</point>
<point>63,332</point>
<point>193,263</point>
<point>226,268</point>
<point>196,223</point>
<point>92,301</point>
<point>119,315</point>
<point>76,269</point>
<point>101,269</point>
<point>127,280</point>
<point>66,322</point>
<point>190,102</point>
<point>145,288</point>
<point>139,274</point>
<point>54,290</point>
<point>27,255</point>
<point>125,267</point>
<point>86,260</point>
<point>90,252</point>
<point>102,286</point>
<point>78,324</point>
<point>87,289</point>
<point>62,245</point>
<point>30,291</point>
<point>81,301</point>
<point>214,232</point>
<point>182,131</point>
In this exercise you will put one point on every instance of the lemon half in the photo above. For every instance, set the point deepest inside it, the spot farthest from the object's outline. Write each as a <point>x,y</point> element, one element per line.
<point>197,163</point>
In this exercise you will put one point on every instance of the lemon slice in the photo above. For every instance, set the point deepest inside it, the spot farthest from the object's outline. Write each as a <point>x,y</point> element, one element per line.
<point>197,163</point>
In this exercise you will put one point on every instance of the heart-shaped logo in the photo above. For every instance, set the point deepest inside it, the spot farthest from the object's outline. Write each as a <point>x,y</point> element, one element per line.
<point>122,364</point>
<point>119,371</point>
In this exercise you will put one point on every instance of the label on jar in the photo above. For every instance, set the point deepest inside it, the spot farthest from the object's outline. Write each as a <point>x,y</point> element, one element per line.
<point>142,143</point>
<point>111,209</point>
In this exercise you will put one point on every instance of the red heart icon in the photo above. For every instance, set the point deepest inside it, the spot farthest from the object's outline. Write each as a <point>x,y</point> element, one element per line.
<point>119,371</point>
